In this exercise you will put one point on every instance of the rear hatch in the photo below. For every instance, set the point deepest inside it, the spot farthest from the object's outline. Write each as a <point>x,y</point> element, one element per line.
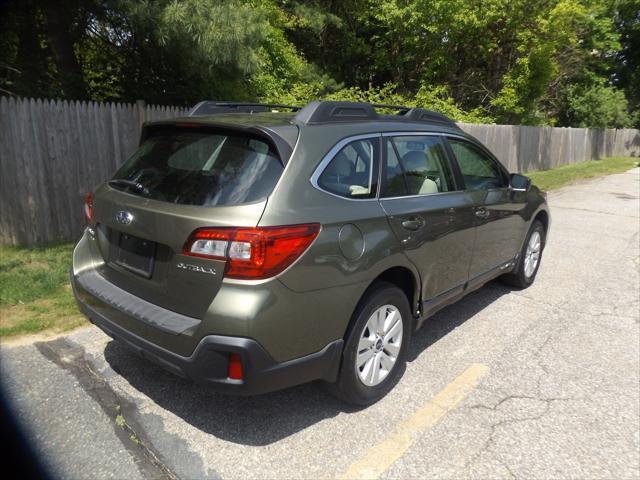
<point>180,179</point>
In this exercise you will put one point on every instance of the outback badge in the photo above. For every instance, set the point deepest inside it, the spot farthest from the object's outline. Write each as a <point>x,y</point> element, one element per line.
<point>196,268</point>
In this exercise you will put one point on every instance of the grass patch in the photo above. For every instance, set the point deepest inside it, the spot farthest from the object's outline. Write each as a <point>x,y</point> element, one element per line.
<point>35,294</point>
<point>566,174</point>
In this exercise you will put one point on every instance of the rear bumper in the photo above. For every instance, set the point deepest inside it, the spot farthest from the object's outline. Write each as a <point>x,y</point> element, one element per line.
<point>208,363</point>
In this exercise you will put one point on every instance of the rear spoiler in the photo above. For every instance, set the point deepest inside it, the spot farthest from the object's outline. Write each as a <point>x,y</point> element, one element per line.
<point>209,107</point>
<point>280,145</point>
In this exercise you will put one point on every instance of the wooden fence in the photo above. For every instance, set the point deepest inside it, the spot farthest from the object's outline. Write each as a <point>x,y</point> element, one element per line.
<point>52,152</point>
<point>526,149</point>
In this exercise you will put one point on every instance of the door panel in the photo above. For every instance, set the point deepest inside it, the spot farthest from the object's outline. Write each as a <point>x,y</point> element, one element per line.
<point>497,227</point>
<point>495,213</point>
<point>433,221</point>
<point>441,249</point>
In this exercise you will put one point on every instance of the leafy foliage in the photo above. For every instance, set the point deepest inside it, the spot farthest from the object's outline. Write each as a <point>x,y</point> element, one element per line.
<point>598,105</point>
<point>558,62</point>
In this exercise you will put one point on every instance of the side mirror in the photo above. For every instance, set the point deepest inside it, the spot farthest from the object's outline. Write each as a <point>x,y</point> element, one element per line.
<point>519,183</point>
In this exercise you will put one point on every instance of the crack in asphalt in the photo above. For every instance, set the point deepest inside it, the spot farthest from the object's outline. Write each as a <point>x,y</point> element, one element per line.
<point>633,242</point>
<point>595,211</point>
<point>490,441</point>
<point>72,359</point>
<point>611,313</point>
<point>493,432</point>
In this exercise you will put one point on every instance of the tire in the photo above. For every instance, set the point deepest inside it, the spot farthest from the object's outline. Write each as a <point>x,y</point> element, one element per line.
<point>389,301</point>
<point>522,275</point>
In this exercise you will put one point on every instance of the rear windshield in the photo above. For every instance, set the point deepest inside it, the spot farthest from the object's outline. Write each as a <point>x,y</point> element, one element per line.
<point>195,167</point>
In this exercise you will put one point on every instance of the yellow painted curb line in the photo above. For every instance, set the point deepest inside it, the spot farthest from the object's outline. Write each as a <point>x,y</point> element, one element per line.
<point>380,457</point>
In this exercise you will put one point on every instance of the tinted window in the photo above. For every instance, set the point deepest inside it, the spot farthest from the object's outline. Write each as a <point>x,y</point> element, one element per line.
<point>416,165</point>
<point>201,168</point>
<point>480,172</point>
<point>353,171</point>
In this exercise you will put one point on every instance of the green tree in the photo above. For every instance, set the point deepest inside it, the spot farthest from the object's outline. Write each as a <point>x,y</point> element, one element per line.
<point>626,14</point>
<point>554,62</point>
<point>37,55</point>
<point>163,51</point>
<point>598,105</point>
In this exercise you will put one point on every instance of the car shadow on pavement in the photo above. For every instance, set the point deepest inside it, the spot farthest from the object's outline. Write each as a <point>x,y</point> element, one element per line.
<point>256,421</point>
<point>268,418</point>
<point>451,317</point>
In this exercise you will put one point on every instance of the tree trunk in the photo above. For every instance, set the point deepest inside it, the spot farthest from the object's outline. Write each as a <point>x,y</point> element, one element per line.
<point>58,23</point>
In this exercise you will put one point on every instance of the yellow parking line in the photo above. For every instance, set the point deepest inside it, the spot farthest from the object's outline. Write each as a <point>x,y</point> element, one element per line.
<point>380,457</point>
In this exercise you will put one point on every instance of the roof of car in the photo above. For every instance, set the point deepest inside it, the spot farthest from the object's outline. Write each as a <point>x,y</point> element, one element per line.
<point>264,119</point>
<point>314,113</point>
<point>282,127</point>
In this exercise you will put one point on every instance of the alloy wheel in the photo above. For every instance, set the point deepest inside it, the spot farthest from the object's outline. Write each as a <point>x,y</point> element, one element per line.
<point>379,345</point>
<point>532,255</point>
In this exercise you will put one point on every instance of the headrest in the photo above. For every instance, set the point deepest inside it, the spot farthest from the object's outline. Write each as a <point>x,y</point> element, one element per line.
<point>414,161</point>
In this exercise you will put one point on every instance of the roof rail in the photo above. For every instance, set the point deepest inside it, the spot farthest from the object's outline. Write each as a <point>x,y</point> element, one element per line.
<point>339,112</point>
<point>401,109</point>
<point>209,107</point>
<point>424,115</point>
<point>328,111</point>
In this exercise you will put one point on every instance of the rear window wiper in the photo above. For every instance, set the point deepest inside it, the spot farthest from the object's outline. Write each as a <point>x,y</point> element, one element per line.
<point>121,182</point>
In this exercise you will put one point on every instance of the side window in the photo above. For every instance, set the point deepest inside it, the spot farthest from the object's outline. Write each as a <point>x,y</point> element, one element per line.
<point>415,165</point>
<point>480,172</point>
<point>394,179</point>
<point>353,171</point>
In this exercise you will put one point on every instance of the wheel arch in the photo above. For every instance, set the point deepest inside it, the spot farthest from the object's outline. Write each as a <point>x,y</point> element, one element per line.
<point>540,213</point>
<point>405,280</point>
<point>400,276</point>
<point>543,216</point>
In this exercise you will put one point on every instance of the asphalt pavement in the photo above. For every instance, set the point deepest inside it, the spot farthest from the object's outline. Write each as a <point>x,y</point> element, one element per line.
<point>540,383</point>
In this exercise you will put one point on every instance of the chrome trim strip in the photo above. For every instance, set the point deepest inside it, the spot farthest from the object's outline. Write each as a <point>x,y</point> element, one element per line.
<point>338,146</point>
<point>423,195</point>
<point>194,109</point>
<point>413,134</point>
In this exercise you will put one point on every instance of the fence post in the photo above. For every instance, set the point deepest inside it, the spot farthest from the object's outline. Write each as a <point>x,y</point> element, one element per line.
<point>141,113</point>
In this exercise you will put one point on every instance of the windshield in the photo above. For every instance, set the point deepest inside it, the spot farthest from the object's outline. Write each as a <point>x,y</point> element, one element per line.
<point>195,167</point>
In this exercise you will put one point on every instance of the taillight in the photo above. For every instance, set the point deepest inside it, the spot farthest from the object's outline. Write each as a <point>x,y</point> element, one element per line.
<point>252,253</point>
<point>88,208</point>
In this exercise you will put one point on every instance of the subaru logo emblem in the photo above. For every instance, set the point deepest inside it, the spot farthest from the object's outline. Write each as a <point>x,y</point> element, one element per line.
<point>124,217</point>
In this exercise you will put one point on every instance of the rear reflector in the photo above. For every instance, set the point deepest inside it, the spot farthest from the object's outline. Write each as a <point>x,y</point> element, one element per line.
<point>252,253</point>
<point>235,367</point>
<point>88,208</point>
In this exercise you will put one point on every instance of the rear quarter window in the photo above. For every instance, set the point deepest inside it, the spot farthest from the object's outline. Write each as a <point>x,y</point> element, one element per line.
<point>197,167</point>
<point>353,171</point>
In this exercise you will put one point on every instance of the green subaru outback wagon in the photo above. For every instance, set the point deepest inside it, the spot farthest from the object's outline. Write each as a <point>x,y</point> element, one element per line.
<point>251,250</point>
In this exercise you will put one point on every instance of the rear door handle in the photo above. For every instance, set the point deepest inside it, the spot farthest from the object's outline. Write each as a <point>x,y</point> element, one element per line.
<point>413,223</point>
<point>482,213</point>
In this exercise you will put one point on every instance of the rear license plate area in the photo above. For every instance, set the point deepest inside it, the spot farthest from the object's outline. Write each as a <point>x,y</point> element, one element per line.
<point>135,254</point>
